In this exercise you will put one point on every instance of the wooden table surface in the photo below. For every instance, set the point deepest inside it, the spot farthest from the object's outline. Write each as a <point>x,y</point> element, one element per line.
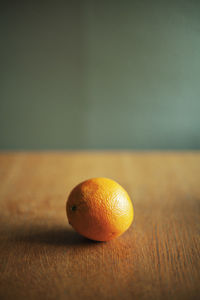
<point>41,257</point>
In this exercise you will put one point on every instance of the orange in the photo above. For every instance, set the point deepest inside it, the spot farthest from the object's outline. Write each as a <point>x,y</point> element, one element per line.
<point>99,209</point>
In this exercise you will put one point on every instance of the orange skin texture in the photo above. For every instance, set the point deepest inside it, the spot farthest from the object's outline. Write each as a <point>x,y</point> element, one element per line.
<point>99,209</point>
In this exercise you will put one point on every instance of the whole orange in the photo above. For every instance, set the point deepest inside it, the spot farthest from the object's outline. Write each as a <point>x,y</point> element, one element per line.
<point>99,209</point>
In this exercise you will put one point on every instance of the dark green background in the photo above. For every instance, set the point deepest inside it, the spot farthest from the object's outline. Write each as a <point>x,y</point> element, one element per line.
<point>100,74</point>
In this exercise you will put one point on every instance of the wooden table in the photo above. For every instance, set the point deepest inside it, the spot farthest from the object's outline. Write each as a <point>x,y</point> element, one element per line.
<point>41,257</point>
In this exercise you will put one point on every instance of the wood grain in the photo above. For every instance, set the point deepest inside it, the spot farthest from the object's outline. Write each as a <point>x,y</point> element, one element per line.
<point>41,257</point>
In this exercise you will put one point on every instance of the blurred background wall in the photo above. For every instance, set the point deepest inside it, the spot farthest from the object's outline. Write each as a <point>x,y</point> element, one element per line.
<point>100,74</point>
